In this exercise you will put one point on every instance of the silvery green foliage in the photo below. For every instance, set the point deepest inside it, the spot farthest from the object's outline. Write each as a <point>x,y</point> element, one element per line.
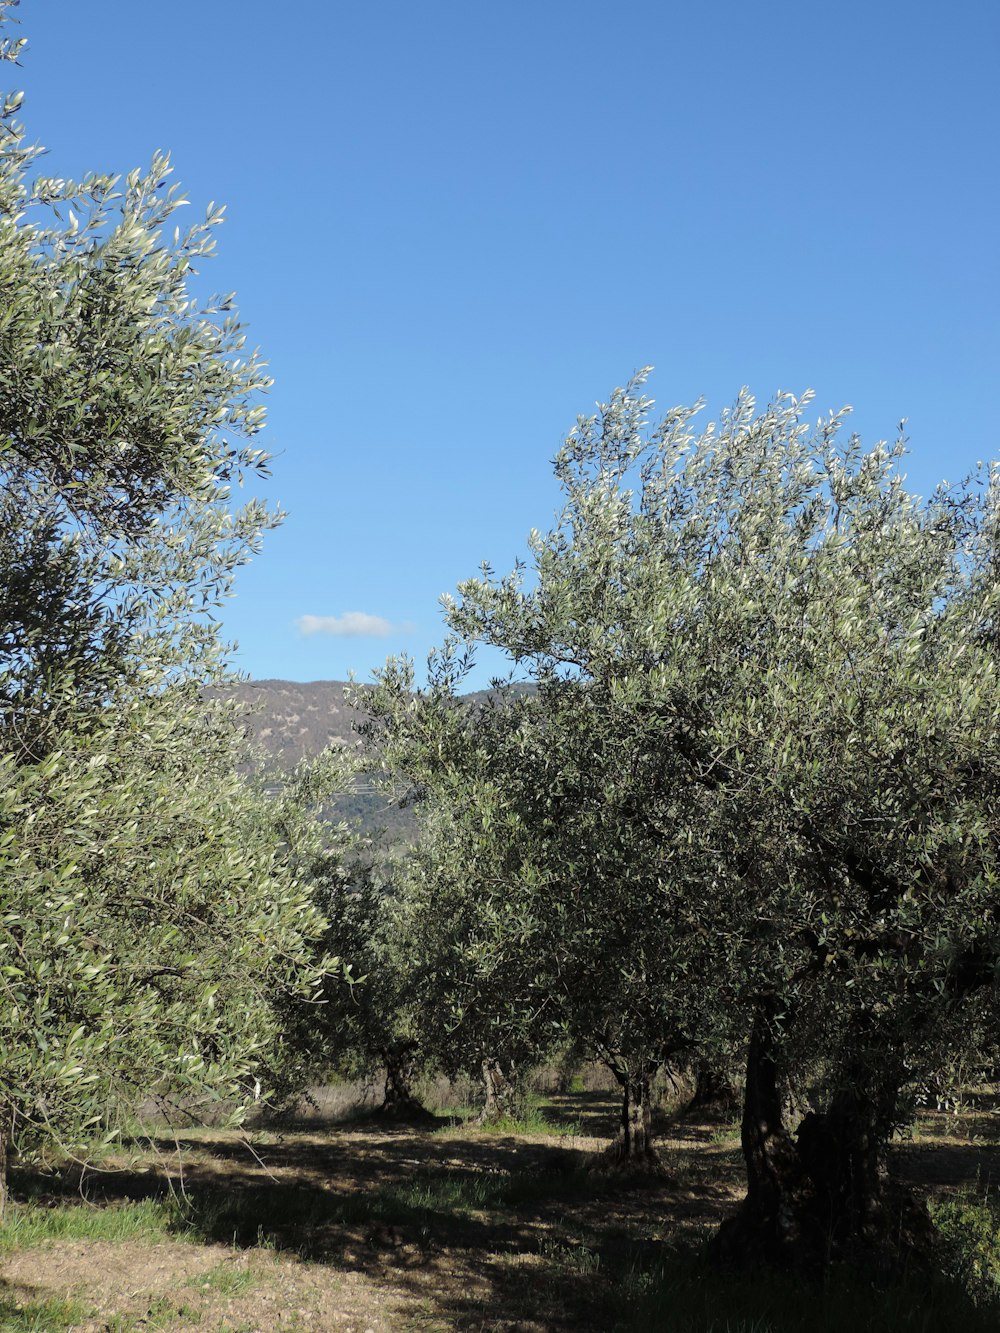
<point>797,659</point>
<point>128,411</point>
<point>761,769</point>
<point>154,928</point>
<point>473,905</point>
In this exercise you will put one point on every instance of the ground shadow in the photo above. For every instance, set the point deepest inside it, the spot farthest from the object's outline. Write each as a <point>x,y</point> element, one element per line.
<point>484,1231</point>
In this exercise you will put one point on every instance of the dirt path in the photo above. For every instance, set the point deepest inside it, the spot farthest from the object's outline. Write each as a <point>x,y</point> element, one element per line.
<point>173,1285</point>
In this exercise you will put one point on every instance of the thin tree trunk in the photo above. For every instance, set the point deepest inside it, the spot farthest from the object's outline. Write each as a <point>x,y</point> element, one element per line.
<point>6,1133</point>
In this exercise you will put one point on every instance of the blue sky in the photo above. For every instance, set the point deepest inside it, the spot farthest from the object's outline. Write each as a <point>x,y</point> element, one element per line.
<point>454,226</point>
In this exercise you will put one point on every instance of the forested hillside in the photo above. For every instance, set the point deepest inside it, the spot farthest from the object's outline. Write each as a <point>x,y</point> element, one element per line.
<point>291,720</point>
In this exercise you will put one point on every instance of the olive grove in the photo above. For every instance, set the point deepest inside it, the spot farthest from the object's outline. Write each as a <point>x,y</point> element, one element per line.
<point>752,799</point>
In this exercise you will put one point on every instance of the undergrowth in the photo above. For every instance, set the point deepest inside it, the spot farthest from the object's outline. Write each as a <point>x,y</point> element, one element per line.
<point>28,1224</point>
<point>969,1227</point>
<point>39,1316</point>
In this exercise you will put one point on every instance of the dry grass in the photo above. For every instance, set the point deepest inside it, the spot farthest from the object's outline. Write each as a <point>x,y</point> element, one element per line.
<point>324,1224</point>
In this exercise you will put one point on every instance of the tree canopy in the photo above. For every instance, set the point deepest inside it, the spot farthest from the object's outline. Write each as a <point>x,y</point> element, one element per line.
<point>762,787</point>
<point>152,925</point>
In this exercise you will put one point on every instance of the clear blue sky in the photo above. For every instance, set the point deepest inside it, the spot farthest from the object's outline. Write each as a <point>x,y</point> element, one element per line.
<point>454,226</point>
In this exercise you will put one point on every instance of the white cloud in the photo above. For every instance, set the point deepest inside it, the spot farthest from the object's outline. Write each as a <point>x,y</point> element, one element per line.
<point>352,624</point>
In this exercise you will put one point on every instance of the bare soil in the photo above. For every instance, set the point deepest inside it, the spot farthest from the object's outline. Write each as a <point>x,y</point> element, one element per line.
<point>372,1227</point>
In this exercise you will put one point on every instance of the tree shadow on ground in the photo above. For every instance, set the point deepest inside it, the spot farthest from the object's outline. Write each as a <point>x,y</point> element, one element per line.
<point>595,1113</point>
<point>947,1166</point>
<point>485,1229</point>
<point>482,1231</point>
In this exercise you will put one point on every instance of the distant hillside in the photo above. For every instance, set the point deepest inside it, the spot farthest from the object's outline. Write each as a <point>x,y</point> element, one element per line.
<point>290,720</point>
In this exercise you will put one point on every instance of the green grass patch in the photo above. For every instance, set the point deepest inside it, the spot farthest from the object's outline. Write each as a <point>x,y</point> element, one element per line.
<point>224,1280</point>
<point>28,1224</point>
<point>726,1136</point>
<point>533,1116</point>
<point>39,1316</point>
<point>463,1192</point>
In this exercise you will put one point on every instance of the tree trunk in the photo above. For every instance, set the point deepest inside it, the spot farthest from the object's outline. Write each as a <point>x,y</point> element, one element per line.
<point>821,1194</point>
<point>766,1226</point>
<point>632,1149</point>
<point>635,1133</point>
<point>6,1132</point>
<point>716,1097</point>
<point>501,1092</point>
<point>398,1101</point>
<point>839,1151</point>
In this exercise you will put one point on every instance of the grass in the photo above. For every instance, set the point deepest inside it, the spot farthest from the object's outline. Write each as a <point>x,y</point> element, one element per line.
<point>225,1280</point>
<point>726,1136</point>
<point>40,1316</point>
<point>434,1207</point>
<point>969,1225</point>
<point>160,1314</point>
<point>531,1118</point>
<point>29,1224</point>
<point>502,1234</point>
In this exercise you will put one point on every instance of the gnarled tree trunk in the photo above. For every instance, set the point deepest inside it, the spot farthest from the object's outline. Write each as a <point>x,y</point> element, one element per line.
<point>500,1085</point>
<point>6,1134</point>
<point>398,1101</point>
<point>819,1194</point>
<point>632,1148</point>
<point>767,1226</point>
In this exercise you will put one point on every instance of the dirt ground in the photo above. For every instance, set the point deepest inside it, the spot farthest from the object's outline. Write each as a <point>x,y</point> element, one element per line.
<point>364,1228</point>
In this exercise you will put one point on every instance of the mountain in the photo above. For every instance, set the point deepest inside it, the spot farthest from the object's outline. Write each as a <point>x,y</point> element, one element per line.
<point>290,719</point>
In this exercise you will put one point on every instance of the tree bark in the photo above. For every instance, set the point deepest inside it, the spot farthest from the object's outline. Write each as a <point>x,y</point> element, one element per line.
<point>6,1134</point>
<point>398,1100</point>
<point>821,1194</point>
<point>636,1130</point>
<point>767,1226</point>
<point>632,1149</point>
<point>501,1092</point>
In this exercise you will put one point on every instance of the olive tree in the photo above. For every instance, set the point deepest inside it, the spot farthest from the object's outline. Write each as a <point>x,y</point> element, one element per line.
<point>368,1025</point>
<point>151,923</point>
<point>128,410</point>
<point>794,664</point>
<point>526,826</point>
<point>476,985</point>
<point>153,929</point>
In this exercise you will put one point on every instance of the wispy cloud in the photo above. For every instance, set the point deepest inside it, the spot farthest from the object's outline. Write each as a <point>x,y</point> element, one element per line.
<point>351,625</point>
